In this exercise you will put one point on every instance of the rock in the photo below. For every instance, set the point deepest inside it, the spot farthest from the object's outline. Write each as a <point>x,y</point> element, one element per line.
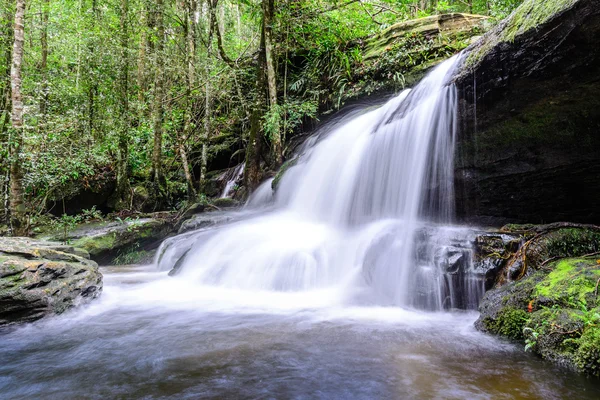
<point>554,310</point>
<point>205,220</point>
<point>492,251</point>
<point>105,241</point>
<point>529,107</point>
<point>282,170</point>
<point>39,278</point>
<point>401,55</point>
<point>225,203</point>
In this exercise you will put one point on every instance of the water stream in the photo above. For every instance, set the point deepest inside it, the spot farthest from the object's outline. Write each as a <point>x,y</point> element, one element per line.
<point>339,287</point>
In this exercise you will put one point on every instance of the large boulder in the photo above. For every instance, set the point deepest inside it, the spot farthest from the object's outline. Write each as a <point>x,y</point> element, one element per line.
<point>39,278</point>
<point>530,117</point>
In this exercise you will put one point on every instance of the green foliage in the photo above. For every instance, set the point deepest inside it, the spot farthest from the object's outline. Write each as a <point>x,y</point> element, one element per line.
<point>74,106</point>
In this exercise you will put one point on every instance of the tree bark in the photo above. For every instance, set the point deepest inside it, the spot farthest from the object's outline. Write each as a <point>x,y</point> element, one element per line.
<point>207,96</point>
<point>191,31</point>
<point>274,130</point>
<point>122,195</point>
<point>252,173</point>
<point>17,207</point>
<point>157,176</point>
<point>44,62</point>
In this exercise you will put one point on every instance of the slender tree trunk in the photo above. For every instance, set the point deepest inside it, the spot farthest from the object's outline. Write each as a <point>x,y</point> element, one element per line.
<point>157,175</point>
<point>17,206</point>
<point>92,89</point>
<point>6,40</point>
<point>207,94</point>
<point>122,194</point>
<point>274,130</point>
<point>141,61</point>
<point>191,79</point>
<point>44,62</point>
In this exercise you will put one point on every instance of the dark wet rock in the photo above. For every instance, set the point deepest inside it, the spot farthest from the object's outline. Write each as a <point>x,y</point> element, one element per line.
<point>492,251</point>
<point>40,278</point>
<point>530,117</point>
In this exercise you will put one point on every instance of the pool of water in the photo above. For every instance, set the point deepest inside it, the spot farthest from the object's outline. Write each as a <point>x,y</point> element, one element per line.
<point>150,336</point>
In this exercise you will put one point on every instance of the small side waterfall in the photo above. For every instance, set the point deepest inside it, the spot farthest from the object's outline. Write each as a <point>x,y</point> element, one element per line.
<point>232,180</point>
<point>361,216</point>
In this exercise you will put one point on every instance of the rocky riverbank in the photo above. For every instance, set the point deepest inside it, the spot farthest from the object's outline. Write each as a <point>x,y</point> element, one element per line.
<point>39,278</point>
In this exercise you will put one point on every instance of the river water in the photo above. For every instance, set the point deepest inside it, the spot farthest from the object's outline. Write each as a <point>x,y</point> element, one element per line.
<point>152,337</point>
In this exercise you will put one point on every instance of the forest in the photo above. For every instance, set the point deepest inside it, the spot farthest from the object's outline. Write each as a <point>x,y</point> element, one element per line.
<point>143,103</point>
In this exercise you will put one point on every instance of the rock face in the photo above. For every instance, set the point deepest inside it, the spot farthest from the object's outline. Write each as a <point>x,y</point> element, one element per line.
<point>530,117</point>
<point>106,241</point>
<point>401,55</point>
<point>40,278</point>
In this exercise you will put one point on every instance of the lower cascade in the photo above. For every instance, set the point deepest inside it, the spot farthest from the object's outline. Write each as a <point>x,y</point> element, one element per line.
<point>362,217</point>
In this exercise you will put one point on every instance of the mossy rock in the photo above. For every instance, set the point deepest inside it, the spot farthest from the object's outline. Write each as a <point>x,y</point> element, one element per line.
<point>41,278</point>
<point>282,170</point>
<point>225,203</point>
<point>528,16</point>
<point>555,311</point>
<point>107,240</point>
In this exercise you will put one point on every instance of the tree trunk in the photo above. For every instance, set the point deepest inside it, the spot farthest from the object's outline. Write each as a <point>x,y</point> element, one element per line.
<point>122,195</point>
<point>191,81</point>
<point>207,96</point>
<point>141,61</point>
<point>157,176</point>
<point>254,149</point>
<point>44,61</point>
<point>6,41</point>
<point>17,207</point>
<point>274,129</point>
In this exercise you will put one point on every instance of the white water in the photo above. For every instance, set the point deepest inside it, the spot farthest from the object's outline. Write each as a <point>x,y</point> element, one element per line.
<point>342,230</point>
<point>233,180</point>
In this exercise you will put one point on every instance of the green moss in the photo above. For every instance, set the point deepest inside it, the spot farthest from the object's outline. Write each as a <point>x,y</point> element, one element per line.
<point>570,282</point>
<point>97,244</point>
<point>587,356</point>
<point>225,203</point>
<point>509,323</point>
<point>286,165</point>
<point>526,17</point>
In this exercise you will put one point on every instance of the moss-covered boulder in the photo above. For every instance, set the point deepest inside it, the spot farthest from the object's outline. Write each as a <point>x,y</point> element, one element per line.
<point>554,311</point>
<point>401,55</point>
<point>39,278</point>
<point>530,117</point>
<point>112,241</point>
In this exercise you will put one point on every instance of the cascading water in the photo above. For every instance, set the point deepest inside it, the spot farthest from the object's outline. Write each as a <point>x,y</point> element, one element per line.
<point>232,180</point>
<point>349,218</point>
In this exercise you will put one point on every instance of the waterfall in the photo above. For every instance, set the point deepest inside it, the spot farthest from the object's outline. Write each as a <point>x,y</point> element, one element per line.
<point>232,180</point>
<point>362,214</point>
